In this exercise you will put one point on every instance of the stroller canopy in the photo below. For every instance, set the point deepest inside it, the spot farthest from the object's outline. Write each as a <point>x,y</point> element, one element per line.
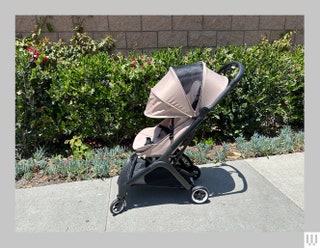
<point>183,91</point>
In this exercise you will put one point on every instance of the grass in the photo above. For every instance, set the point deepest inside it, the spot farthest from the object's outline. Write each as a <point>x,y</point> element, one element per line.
<point>107,162</point>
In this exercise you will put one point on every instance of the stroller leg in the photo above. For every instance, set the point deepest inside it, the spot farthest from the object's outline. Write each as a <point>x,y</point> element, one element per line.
<point>119,204</point>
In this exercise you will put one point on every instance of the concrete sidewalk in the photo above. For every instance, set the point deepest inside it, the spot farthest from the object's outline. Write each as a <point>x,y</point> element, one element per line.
<point>261,194</point>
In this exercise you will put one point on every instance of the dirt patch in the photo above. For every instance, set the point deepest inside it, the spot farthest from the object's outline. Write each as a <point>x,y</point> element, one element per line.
<point>38,180</point>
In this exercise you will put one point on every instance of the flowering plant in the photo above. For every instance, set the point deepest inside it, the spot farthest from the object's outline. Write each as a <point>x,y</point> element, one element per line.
<point>35,56</point>
<point>140,61</point>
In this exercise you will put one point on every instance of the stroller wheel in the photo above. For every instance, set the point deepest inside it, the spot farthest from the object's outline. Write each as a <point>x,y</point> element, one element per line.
<point>199,194</point>
<point>117,206</point>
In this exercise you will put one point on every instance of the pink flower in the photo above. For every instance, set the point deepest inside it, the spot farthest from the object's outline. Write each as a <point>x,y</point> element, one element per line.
<point>34,54</point>
<point>45,59</point>
<point>133,62</point>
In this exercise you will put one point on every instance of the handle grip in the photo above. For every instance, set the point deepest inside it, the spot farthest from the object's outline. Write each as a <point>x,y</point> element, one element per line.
<point>233,65</point>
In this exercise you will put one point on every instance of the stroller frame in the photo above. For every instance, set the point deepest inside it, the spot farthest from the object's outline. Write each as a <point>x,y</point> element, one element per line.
<point>173,160</point>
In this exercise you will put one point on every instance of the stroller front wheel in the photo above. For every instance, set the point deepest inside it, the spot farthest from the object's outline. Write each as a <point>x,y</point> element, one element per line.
<point>117,206</point>
<point>199,194</point>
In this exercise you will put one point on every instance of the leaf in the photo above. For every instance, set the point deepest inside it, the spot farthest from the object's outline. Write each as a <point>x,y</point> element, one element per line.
<point>49,27</point>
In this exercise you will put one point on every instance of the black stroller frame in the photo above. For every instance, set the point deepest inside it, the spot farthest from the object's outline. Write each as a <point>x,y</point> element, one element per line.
<point>173,162</point>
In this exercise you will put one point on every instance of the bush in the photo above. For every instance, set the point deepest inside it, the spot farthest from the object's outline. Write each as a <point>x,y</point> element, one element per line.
<point>70,90</point>
<point>37,59</point>
<point>271,93</point>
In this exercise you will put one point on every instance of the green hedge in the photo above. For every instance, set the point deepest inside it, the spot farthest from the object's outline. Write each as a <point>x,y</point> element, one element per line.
<point>81,90</point>
<point>271,93</point>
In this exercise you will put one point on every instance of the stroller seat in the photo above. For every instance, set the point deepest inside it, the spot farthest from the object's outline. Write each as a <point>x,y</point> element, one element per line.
<point>154,141</point>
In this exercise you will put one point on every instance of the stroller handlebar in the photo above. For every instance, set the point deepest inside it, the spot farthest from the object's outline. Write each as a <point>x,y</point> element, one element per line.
<point>233,65</point>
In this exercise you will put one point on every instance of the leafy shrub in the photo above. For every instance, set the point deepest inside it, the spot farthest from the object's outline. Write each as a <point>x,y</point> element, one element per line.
<point>271,93</point>
<point>37,59</point>
<point>79,149</point>
<point>101,96</point>
<point>65,90</point>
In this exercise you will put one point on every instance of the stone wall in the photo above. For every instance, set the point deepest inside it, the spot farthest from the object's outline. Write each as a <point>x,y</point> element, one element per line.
<point>145,33</point>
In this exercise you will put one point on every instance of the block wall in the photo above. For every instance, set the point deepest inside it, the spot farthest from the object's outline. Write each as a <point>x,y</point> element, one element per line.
<point>146,33</point>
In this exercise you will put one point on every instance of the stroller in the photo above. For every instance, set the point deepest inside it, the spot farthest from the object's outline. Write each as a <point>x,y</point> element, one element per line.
<point>182,99</point>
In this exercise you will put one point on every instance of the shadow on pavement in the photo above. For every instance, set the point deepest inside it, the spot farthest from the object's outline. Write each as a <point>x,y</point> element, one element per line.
<point>220,180</point>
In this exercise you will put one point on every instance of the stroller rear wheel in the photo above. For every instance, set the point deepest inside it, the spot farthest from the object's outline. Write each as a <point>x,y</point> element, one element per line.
<point>199,194</point>
<point>117,206</point>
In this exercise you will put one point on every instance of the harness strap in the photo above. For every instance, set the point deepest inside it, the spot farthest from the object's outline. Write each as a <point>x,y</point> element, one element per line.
<point>169,130</point>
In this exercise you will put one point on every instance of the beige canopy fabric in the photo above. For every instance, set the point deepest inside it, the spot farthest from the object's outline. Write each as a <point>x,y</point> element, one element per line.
<point>178,96</point>
<point>169,99</point>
